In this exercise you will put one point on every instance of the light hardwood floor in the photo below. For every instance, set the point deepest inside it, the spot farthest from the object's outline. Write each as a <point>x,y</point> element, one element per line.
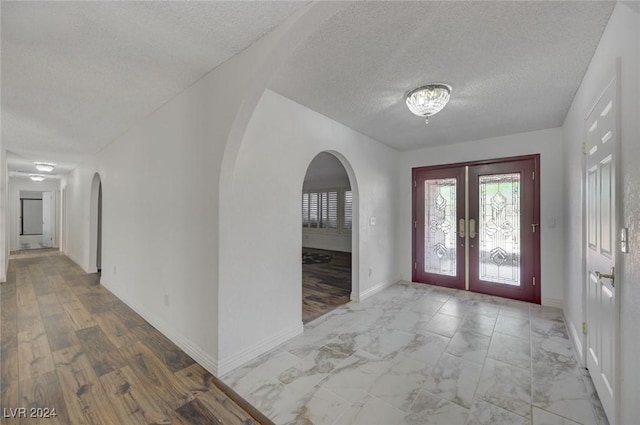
<point>68,344</point>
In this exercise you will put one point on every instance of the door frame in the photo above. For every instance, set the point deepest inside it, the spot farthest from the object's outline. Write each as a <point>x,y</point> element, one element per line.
<point>536,207</point>
<point>21,228</point>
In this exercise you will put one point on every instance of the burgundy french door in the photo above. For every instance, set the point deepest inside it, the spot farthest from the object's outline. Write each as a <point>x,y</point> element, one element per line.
<point>476,227</point>
<point>439,196</point>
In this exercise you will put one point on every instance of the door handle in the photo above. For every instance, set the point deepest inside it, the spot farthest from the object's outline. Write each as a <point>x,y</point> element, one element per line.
<point>461,226</point>
<point>472,228</point>
<point>611,275</point>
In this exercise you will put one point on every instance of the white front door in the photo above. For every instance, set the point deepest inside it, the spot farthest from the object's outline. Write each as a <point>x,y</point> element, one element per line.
<point>47,221</point>
<point>602,312</point>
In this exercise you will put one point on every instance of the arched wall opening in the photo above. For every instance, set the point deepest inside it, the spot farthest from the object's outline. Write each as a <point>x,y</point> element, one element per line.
<point>95,225</point>
<point>329,243</point>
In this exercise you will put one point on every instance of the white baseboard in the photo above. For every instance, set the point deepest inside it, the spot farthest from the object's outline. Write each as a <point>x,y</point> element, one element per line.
<point>232,362</point>
<point>373,290</point>
<point>552,302</point>
<point>574,335</point>
<point>203,358</point>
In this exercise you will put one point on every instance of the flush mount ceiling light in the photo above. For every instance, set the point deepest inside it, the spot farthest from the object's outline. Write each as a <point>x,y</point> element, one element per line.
<point>45,167</point>
<point>428,100</point>
<point>36,177</point>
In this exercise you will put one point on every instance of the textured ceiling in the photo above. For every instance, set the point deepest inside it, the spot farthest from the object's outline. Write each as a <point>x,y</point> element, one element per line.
<point>514,66</point>
<point>76,75</point>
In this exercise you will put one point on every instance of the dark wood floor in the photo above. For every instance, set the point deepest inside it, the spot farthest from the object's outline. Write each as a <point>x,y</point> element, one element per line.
<point>325,286</point>
<point>68,344</point>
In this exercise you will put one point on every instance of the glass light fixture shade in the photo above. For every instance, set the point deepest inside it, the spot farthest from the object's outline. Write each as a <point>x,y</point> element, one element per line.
<point>36,177</point>
<point>428,100</point>
<point>45,167</point>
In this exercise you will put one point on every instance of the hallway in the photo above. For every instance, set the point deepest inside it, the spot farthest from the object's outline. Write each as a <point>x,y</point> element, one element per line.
<point>68,344</point>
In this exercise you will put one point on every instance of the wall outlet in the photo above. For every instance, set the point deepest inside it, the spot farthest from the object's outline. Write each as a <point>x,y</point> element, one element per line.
<point>166,300</point>
<point>370,271</point>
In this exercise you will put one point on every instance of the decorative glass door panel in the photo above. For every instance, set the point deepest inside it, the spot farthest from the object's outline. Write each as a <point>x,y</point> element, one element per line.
<point>439,233</point>
<point>499,219</point>
<point>476,227</point>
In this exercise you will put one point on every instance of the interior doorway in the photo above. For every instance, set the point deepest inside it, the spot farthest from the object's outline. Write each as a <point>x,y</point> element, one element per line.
<point>476,227</point>
<point>327,237</point>
<point>95,243</point>
<point>37,220</point>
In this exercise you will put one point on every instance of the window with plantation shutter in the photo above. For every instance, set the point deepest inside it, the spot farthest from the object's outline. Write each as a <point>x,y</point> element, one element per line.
<point>305,210</point>
<point>327,210</point>
<point>348,210</point>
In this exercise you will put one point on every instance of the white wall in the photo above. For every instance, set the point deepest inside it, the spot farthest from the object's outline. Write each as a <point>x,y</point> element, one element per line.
<point>19,184</point>
<point>338,181</point>
<point>161,197</point>
<point>77,229</point>
<point>159,220</point>
<point>160,210</point>
<point>30,194</point>
<point>620,39</point>
<point>260,286</point>
<point>338,241</point>
<point>548,143</point>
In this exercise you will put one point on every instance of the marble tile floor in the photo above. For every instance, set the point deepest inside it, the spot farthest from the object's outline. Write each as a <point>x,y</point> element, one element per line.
<point>420,354</point>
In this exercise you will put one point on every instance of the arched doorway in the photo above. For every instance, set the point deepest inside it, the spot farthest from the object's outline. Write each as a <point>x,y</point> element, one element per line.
<point>328,234</point>
<point>95,233</point>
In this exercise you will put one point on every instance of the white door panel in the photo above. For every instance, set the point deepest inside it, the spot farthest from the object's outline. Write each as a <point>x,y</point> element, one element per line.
<point>600,246</point>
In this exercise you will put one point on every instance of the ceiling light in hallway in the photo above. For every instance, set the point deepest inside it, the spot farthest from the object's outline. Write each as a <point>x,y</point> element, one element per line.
<point>36,177</point>
<point>46,167</point>
<point>428,100</point>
